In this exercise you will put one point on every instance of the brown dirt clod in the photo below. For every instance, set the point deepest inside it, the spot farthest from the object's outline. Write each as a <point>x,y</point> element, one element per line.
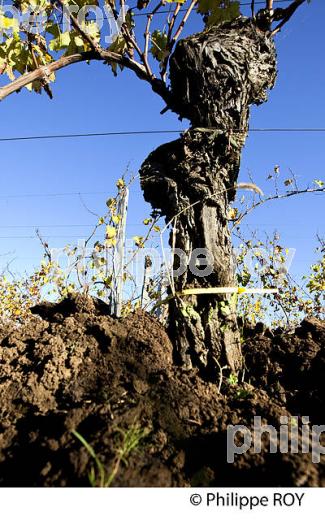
<point>73,367</point>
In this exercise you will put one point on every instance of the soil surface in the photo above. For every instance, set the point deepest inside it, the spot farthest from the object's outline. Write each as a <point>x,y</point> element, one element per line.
<point>75,368</point>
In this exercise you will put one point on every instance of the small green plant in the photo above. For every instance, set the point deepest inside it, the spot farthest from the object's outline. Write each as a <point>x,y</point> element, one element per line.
<point>93,478</point>
<point>129,441</point>
<point>233,380</point>
<point>243,393</point>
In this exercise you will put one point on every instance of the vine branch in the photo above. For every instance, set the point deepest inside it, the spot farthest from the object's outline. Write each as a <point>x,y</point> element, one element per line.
<point>147,37</point>
<point>285,14</point>
<point>172,40</point>
<point>44,72</point>
<point>275,197</point>
<point>93,45</point>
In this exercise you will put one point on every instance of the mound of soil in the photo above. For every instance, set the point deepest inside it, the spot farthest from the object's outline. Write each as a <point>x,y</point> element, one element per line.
<point>73,368</point>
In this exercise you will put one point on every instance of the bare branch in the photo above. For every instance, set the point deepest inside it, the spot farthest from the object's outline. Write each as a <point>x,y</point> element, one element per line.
<point>172,40</point>
<point>44,72</point>
<point>275,197</point>
<point>147,38</point>
<point>47,250</point>
<point>86,207</point>
<point>183,22</point>
<point>41,73</point>
<point>130,50</point>
<point>172,22</point>
<point>130,41</point>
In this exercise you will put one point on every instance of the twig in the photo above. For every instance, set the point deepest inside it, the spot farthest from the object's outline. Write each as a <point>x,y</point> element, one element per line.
<point>169,36</point>
<point>241,185</point>
<point>275,197</point>
<point>286,14</point>
<point>147,37</point>
<point>86,207</point>
<point>145,239</point>
<point>183,22</point>
<point>172,40</point>
<point>45,245</point>
<point>172,22</point>
<point>93,45</point>
<point>130,50</point>
<point>130,41</point>
<point>221,369</point>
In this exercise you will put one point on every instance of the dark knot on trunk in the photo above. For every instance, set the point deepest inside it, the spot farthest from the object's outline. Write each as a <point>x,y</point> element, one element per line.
<point>216,74</point>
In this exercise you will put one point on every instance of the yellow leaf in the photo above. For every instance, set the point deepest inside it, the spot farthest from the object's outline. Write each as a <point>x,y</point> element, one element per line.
<point>110,242</point>
<point>110,232</point>
<point>232,213</point>
<point>138,240</point>
<point>9,23</point>
<point>120,183</point>
<point>116,219</point>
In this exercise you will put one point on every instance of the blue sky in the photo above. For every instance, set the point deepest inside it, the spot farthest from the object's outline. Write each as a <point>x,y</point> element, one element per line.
<point>87,98</point>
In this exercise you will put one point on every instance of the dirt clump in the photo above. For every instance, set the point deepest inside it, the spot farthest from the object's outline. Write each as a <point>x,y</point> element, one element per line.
<point>73,367</point>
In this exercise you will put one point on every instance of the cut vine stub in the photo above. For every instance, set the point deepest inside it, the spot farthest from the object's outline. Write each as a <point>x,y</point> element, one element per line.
<point>215,76</point>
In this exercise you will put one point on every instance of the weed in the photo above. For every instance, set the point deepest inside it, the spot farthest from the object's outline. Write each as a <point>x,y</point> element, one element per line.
<point>233,380</point>
<point>129,441</point>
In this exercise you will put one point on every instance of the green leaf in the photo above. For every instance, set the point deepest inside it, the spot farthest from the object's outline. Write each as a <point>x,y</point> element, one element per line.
<point>119,46</point>
<point>159,45</point>
<point>216,12</point>
<point>62,41</point>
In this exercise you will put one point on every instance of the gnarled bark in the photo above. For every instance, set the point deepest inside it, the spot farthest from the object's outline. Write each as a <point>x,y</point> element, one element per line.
<point>215,76</point>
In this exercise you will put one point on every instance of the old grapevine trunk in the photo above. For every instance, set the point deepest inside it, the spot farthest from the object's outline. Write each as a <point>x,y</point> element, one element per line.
<point>215,76</point>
